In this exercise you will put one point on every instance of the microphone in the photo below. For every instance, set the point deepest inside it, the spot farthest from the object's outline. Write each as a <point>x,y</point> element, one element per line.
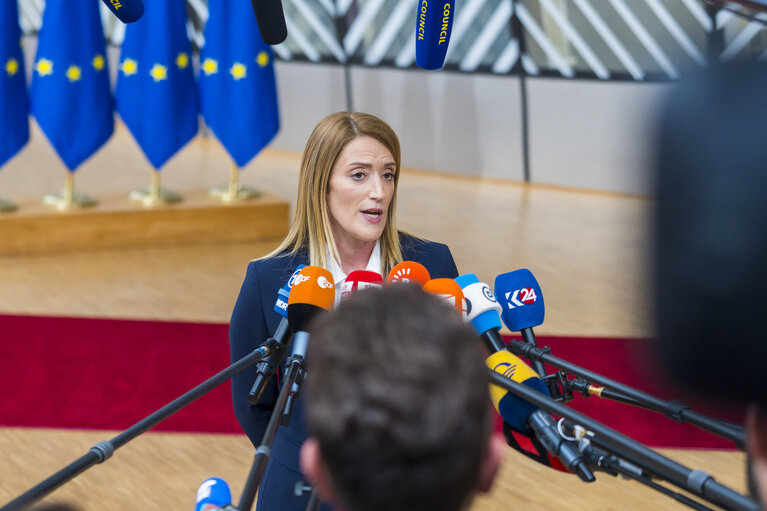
<point>524,416</point>
<point>313,291</point>
<point>126,11</point>
<point>482,311</point>
<point>270,20</point>
<point>433,27</point>
<point>213,495</point>
<point>409,271</point>
<point>522,306</point>
<point>268,366</point>
<point>359,280</point>
<point>448,291</point>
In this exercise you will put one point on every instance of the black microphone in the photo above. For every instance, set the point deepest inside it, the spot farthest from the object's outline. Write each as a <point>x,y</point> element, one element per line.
<point>271,20</point>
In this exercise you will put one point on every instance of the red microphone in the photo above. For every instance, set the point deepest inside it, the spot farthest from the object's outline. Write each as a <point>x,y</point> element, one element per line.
<point>409,271</point>
<point>359,280</point>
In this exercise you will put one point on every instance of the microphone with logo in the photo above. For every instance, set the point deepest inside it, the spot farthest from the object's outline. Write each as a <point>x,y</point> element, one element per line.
<point>214,495</point>
<point>268,366</point>
<point>482,311</point>
<point>126,11</point>
<point>409,271</point>
<point>522,306</point>
<point>313,291</point>
<point>525,417</point>
<point>448,291</point>
<point>433,26</point>
<point>359,280</point>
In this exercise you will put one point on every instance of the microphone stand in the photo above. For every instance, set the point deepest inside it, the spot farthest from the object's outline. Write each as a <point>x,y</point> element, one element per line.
<point>264,451</point>
<point>695,481</point>
<point>102,451</point>
<point>675,410</point>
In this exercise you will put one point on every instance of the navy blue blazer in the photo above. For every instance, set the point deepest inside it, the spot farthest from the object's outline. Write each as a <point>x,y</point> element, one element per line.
<point>253,321</point>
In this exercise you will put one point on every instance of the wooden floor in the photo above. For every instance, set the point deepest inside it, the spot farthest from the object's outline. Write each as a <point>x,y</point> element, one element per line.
<point>587,250</point>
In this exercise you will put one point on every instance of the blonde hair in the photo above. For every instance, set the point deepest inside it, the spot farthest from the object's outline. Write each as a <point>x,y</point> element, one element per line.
<point>310,229</point>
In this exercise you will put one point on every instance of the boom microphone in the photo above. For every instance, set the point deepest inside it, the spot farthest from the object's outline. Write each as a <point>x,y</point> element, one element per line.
<point>524,416</point>
<point>359,280</point>
<point>409,271</point>
<point>126,11</point>
<point>270,20</point>
<point>482,311</point>
<point>433,26</point>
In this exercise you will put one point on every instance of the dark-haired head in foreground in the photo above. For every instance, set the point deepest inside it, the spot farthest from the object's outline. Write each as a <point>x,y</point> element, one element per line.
<point>397,405</point>
<point>711,241</point>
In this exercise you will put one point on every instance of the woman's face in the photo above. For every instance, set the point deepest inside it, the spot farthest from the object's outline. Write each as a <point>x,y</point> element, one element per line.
<point>360,189</point>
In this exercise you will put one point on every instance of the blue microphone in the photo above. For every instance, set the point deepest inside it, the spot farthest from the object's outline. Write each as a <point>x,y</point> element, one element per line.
<point>268,366</point>
<point>522,306</point>
<point>126,11</point>
<point>212,495</point>
<point>482,311</point>
<point>433,26</point>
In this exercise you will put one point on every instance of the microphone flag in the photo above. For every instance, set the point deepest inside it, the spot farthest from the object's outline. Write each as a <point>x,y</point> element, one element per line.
<point>521,299</point>
<point>14,104</point>
<point>238,91</point>
<point>156,95</point>
<point>70,95</point>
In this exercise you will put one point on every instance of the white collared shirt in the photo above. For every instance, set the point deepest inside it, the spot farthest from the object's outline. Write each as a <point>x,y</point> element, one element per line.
<point>374,264</point>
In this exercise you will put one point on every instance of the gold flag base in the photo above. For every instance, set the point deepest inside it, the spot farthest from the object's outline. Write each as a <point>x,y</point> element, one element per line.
<point>234,191</point>
<point>68,199</point>
<point>155,195</point>
<point>6,206</point>
<point>151,198</point>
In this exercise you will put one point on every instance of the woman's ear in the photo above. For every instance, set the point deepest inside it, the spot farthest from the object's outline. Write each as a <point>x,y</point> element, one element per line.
<point>496,444</point>
<point>314,469</point>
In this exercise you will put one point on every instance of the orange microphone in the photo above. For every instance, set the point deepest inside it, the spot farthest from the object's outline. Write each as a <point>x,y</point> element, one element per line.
<point>449,291</point>
<point>313,290</point>
<point>409,271</point>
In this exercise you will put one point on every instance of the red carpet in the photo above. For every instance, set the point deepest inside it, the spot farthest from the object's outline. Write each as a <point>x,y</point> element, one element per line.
<point>109,374</point>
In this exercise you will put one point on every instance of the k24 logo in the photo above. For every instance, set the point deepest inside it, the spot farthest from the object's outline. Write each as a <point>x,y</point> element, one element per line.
<point>521,297</point>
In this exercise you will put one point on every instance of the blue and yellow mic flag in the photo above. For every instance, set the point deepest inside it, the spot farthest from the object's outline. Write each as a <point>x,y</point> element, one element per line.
<point>238,92</point>
<point>156,94</point>
<point>14,107</point>
<point>70,94</point>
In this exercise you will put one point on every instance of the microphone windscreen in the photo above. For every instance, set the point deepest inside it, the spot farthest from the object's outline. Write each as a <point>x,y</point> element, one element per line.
<point>433,26</point>
<point>271,20</point>
<point>409,271</point>
<point>521,299</point>
<point>359,280</point>
<point>313,290</point>
<point>281,306</point>
<point>126,11</point>
<point>448,291</point>
<point>514,409</point>
<point>482,308</point>
<point>213,494</point>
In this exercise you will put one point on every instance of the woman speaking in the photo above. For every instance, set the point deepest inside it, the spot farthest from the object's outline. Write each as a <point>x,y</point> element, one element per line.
<point>344,221</point>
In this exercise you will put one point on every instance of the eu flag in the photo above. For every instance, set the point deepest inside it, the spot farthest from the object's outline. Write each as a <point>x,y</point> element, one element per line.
<point>14,108</point>
<point>156,94</point>
<point>70,94</point>
<point>238,92</point>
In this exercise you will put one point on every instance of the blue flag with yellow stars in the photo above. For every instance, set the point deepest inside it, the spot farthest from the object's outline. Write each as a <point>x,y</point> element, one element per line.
<point>14,107</point>
<point>70,96</point>
<point>238,92</point>
<point>156,94</point>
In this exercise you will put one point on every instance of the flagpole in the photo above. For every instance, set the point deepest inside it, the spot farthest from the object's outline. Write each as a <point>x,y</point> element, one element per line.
<point>155,195</point>
<point>69,199</point>
<point>234,191</point>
